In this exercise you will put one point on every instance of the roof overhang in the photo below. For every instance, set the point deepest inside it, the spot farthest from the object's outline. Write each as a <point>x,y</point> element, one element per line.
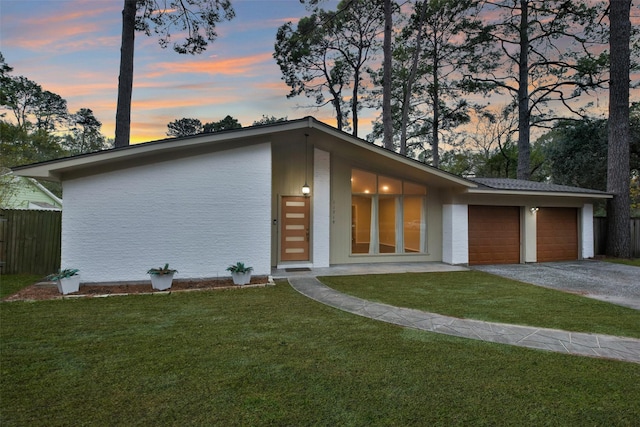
<point>167,149</point>
<point>91,163</point>
<point>493,192</point>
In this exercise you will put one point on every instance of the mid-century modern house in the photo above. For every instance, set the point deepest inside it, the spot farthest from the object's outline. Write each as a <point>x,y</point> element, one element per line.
<point>298,194</point>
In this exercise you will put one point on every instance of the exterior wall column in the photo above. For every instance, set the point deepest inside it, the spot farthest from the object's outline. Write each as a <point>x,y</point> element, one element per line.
<point>455,234</point>
<point>586,242</point>
<point>321,193</point>
<point>529,234</point>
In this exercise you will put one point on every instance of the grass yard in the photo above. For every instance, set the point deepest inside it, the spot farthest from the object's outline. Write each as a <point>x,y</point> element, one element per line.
<point>269,356</point>
<point>633,262</point>
<point>11,284</point>
<point>484,296</point>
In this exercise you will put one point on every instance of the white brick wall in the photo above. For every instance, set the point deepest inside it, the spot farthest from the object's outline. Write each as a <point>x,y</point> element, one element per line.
<point>587,243</point>
<point>455,234</point>
<point>199,214</point>
<point>321,207</point>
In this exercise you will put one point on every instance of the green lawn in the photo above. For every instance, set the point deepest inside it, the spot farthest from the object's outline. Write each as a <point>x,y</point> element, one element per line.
<point>483,296</point>
<point>13,283</point>
<point>269,356</point>
<point>634,262</point>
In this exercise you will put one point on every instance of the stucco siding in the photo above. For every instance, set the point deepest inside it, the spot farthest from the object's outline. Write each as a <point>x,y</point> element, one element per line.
<point>455,234</point>
<point>199,214</point>
<point>321,194</point>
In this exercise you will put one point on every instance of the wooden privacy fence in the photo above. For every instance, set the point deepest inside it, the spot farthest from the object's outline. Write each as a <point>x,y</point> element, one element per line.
<point>29,241</point>
<point>600,236</point>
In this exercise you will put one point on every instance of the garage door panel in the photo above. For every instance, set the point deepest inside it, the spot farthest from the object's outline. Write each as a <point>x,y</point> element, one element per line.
<point>494,235</point>
<point>557,234</point>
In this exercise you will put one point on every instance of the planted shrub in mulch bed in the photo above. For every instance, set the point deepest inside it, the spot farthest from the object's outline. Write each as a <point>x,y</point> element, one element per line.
<point>48,290</point>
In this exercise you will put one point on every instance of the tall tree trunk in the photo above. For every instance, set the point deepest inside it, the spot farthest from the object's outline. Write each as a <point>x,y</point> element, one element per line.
<point>387,119</point>
<point>619,233</point>
<point>354,102</point>
<point>406,102</point>
<point>338,108</point>
<point>125,80</point>
<point>435,143</point>
<point>524,126</point>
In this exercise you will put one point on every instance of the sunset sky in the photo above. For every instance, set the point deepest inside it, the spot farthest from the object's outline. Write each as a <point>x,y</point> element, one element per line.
<point>72,48</point>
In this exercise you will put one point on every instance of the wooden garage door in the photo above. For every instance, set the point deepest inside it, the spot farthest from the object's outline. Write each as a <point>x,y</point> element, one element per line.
<point>557,234</point>
<point>494,235</point>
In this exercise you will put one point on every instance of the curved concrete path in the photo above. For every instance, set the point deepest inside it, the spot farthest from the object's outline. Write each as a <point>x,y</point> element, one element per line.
<point>578,343</point>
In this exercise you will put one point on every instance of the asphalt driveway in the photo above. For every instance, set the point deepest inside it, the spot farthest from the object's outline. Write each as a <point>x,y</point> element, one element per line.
<point>614,283</point>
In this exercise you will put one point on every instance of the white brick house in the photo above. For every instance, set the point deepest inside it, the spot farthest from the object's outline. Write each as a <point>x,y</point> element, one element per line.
<point>201,203</point>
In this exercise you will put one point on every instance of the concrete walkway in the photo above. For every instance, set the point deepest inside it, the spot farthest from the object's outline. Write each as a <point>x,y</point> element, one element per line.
<point>583,344</point>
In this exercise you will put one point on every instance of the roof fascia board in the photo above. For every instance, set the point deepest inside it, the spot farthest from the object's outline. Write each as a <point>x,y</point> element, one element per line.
<point>540,193</point>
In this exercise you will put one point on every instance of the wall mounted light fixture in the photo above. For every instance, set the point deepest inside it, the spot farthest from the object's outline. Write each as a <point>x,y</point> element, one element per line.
<point>306,190</point>
<point>534,209</point>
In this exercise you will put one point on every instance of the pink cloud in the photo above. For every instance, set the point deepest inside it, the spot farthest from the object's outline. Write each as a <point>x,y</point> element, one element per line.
<point>79,12</point>
<point>230,67</point>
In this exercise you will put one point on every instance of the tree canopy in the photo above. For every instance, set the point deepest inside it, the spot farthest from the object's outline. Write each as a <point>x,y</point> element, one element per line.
<point>325,56</point>
<point>35,125</point>
<point>542,51</point>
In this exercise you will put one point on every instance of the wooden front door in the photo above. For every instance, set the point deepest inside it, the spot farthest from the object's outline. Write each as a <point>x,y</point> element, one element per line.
<point>294,232</point>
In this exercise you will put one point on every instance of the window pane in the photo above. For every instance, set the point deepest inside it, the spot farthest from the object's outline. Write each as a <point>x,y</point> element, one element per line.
<point>388,215</point>
<point>415,189</point>
<point>387,224</point>
<point>363,182</point>
<point>388,185</point>
<point>414,226</point>
<point>360,224</point>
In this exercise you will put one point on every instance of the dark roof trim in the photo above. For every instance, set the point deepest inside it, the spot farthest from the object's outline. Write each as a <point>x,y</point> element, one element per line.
<point>511,186</point>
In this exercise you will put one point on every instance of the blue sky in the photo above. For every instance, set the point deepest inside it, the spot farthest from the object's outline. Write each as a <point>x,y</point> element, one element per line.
<point>72,48</point>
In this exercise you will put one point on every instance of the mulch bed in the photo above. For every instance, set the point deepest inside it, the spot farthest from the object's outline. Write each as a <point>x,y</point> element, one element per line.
<point>48,290</point>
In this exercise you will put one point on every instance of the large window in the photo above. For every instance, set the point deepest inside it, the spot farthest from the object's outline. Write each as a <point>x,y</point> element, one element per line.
<point>388,215</point>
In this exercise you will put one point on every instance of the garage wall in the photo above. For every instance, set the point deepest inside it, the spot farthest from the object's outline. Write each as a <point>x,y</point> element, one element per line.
<point>199,214</point>
<point>455,234</point>
<point>587,244</point>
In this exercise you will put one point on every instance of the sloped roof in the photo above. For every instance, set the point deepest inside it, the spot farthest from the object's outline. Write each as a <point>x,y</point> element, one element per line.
<point>508,184</point>
<point>96,162</point>
<point>93,163</point>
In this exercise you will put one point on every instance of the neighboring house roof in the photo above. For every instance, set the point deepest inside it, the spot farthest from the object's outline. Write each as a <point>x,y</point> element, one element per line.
<point>43,206</point>
<point>19,192</point>
<point>508,185</point>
